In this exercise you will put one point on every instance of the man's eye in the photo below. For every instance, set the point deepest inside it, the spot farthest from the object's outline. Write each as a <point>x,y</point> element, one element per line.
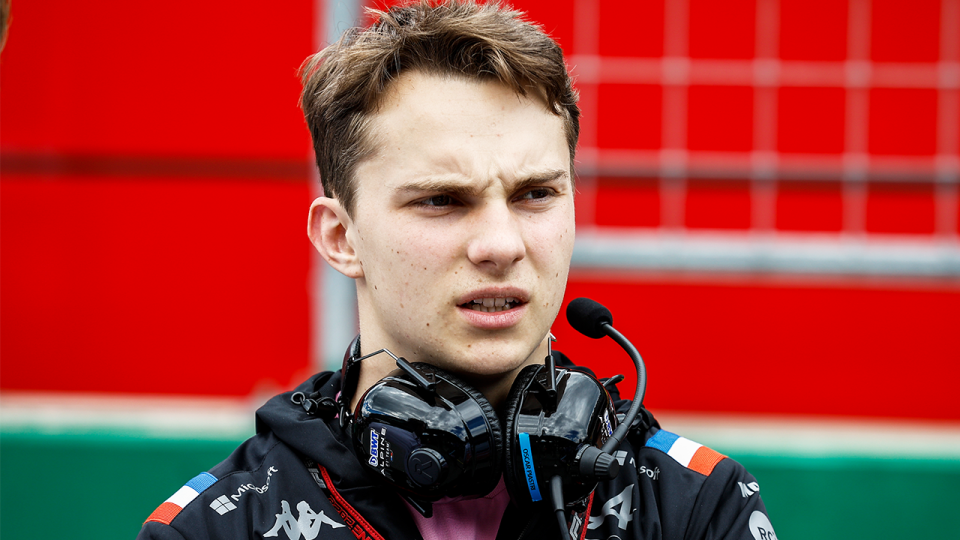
<point>536,193</point>
<point>437,200</point>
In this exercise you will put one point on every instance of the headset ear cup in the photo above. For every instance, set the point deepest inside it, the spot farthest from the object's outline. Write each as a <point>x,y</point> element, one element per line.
<point>512,473</point>
<point>492,477</point>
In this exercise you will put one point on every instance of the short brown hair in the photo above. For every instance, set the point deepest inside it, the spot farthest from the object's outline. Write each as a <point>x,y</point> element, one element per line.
<point>344,83</point>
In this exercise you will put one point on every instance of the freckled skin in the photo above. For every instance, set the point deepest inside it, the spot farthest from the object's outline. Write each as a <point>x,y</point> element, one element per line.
<point>464,181</point>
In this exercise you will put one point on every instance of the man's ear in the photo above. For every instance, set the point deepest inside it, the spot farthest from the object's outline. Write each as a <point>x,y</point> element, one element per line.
<point>330,229</point>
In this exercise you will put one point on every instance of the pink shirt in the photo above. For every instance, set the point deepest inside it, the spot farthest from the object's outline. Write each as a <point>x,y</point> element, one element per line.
<point>465,519</point>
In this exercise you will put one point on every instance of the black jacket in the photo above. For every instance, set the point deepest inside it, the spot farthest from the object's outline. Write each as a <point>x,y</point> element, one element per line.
<point>298,478</point>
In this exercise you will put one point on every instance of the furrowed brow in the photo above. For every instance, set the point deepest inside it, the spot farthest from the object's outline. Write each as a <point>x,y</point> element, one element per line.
<point>542,177</point>
<point>438,185</point>
<point>461,189</point>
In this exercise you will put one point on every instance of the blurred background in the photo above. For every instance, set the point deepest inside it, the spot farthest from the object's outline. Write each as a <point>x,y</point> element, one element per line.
<point>768,203</point>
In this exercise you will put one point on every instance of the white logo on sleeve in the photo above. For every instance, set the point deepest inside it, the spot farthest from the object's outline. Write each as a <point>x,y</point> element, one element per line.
<point>760,526</point>
<point>748,489</point>
<point>622,458</point>
<point>250,487</point>
<point>222,505</point>
<point>624,514</point>
<point>308,522</point>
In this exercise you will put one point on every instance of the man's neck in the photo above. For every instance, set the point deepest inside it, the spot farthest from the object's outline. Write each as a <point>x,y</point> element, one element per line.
<point>495,388</point>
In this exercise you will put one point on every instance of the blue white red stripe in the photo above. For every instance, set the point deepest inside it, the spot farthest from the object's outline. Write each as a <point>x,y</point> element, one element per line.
<point>179,500</point>
<point>691,455</point>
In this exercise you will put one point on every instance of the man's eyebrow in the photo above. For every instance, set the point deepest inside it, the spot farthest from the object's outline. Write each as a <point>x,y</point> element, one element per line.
<point>438,185</point>
<point>541,177</point>
<point>462,188</point>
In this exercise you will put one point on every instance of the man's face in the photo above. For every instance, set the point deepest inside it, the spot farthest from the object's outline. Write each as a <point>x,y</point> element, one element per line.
<point>464,225</point>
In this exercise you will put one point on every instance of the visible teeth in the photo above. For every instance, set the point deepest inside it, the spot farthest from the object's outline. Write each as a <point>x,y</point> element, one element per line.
<point>492,305</point>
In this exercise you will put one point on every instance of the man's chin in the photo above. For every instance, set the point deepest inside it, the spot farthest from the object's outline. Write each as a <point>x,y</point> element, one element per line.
<point>486,361</point>
<point>488,370</point>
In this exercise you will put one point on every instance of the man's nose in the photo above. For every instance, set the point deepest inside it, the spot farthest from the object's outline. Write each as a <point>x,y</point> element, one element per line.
<point>496,242</point>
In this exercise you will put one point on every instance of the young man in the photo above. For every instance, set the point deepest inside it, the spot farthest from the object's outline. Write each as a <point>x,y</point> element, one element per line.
<point>445,138</point>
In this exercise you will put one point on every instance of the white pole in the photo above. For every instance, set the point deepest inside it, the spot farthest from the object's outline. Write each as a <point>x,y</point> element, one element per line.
<point>334,296</point>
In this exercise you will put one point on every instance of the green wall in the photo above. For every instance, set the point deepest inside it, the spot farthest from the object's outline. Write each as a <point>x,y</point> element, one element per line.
<point>86,487</point>
<point>102,486</point>
<point>854,497</point>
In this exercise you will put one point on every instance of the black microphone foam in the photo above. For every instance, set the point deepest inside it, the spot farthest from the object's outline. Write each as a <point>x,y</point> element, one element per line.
<point>587,317</point>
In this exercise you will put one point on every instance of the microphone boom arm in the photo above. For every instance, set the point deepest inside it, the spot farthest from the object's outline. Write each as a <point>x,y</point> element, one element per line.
<point>614,441</point>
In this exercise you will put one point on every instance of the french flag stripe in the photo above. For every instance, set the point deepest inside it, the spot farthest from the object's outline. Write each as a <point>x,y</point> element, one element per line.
<point>704,460</point>
<point>662,440</point>
<point>179,500</point>
<point>201,482</point>
<point>183,496</point>
<point>164,513</point>
<point>690,454</point>
<point>683,450</point>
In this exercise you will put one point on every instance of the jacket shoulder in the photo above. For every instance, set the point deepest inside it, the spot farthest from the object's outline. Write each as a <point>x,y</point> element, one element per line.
<point>171,508</point>
<point>692,455</point>
<point>722,498</point>
<point>671,487</point>
<point>262,488</point>
<point>185,503</point>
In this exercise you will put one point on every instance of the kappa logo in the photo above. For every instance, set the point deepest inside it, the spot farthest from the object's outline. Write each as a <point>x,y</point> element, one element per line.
<point>306,524</point>
<point>748,489</point>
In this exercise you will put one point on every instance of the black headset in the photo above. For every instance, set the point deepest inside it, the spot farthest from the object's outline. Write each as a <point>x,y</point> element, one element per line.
<point>431,435</point>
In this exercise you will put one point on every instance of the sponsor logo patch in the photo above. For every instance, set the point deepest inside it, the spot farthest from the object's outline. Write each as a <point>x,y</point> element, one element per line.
<point>748,489</point>
<point>652,474</point>
<point>258,489</point>
<point>307,523</point>
<point>222,505</point>
<point>606,424</point>
<point>760,526</point>
<point>374,448</point>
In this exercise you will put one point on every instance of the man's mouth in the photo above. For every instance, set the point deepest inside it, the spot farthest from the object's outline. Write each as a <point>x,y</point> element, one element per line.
<point>492,305</point>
